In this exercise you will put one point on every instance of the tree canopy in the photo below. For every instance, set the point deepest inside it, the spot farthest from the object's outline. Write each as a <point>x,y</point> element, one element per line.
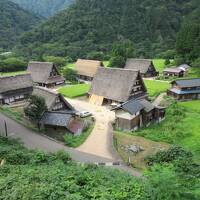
<point>93,26</point>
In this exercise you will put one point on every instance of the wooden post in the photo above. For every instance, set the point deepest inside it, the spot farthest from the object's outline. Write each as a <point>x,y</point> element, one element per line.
<point>6,129</point>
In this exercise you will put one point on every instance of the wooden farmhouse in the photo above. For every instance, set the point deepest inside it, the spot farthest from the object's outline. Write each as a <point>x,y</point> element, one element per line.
<point>86,69</point>
<point>145,66</point>
<point>114,86</point>
<point>188,89</point>
<point>135,114</point>
<point>60,115</point>
<point>45,74</point>
<point>54,100</point>
<point>15,88</point>
<point>173,72</point>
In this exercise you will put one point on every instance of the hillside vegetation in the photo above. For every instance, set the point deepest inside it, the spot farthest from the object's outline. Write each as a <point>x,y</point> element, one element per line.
<point>93,26</point>
<point>43,8</point>
<point>13,22</point>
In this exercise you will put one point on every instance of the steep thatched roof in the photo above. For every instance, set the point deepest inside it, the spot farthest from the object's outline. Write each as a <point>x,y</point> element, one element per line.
<point>87,67</point>
<point>49,96</point>
<point>40,72</point>
<point>11,83</point>
<point>141,65</point>
<point>113,83</point>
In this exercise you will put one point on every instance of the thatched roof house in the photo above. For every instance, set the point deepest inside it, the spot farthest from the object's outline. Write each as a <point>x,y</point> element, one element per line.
<point>145,66</point>
<point>15,88</point>
<point>86,69</point>
<point>45,74</point>
<point>54,100</point>
<point>116,85</point>
<point>187,89</point>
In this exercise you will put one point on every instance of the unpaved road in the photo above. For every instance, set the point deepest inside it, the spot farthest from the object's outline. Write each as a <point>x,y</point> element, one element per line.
<point>100,141</point>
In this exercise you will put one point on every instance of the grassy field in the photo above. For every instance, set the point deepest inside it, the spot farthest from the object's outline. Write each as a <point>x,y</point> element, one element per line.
<point>180,127</point>
<point>12,73</point>
<point>156,87</point>
<point>74,91</point>
<point>191,105</point>
<point>137,160</point>
<point>159,64</point>
<point>17,114</point>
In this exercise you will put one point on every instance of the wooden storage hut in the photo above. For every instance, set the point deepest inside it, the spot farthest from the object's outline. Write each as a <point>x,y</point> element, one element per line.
<point>187,89</point>
<point>86,69</point>
<point>114,85</point>
<point>135,114</point>
<point>15,88</point>
<point>173,72</point>
<point>145,66</point>
<point>45,74</point>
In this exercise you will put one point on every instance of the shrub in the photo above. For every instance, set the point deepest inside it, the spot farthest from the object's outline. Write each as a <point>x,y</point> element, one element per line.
<point>70,75</point>
<point>172,154</point>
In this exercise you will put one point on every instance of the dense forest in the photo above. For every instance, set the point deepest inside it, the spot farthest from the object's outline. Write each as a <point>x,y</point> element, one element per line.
<point>93,26</point>
<point>13,22</point>
<point>44,8</point>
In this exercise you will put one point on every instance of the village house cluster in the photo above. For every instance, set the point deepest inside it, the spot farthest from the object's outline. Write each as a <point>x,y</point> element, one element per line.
<point>123,90</point>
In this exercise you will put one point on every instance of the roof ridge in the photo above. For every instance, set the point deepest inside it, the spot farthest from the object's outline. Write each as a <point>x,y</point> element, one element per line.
<point>41,62</point>
<point>46,90</point>
<point>13,76</point>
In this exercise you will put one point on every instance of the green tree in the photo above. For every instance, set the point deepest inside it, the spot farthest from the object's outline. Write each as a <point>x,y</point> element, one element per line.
<point>120,52</point>
<point>36,108</point>
<point>59,61</point>
<point>167,62</point>
<point>188,42</point>
<point>70,75</point>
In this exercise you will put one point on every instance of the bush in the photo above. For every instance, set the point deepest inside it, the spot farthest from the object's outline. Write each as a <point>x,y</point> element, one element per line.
<point>70,75</point>
<point>117,61</point>
<point>58,61</point>
<point>12,64</point>
<point>95,55</point>
<point>196,63</point>
<point>172,154</point>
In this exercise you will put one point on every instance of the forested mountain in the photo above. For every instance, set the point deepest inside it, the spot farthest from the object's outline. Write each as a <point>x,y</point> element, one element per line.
<point>93,26</point>
<point>44,8</point>
<point>13,22</point>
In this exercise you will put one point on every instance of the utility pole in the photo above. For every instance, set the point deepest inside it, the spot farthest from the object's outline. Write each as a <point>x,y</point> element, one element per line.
<point>6,129</point>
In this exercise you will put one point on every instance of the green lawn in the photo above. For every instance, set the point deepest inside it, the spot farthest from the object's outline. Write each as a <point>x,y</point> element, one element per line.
<point>71,65</point>
<point>12,73</point>
<point>74,91</point>
<point>191,105</point>
<point>156,87</point>
<point>159,64</point>
<point>180,127</point>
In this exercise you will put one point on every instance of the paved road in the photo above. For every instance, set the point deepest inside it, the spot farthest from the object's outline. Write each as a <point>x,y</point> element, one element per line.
<point>34,140</point>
